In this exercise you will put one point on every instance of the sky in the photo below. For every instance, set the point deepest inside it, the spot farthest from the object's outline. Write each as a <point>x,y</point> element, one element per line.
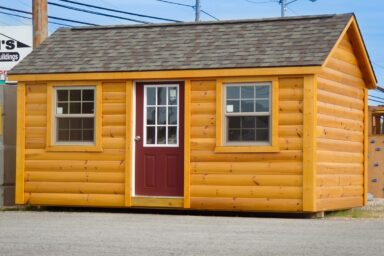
<point>369,14</point>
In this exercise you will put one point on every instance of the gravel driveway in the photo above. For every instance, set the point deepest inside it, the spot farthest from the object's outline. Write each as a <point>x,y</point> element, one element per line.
<point>83,233</point>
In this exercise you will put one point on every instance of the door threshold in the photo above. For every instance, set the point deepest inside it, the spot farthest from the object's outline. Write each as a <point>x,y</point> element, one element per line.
<point>157,202</point>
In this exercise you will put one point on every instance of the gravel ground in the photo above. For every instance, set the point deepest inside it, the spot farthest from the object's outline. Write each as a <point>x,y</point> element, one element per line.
<point>84,233</point>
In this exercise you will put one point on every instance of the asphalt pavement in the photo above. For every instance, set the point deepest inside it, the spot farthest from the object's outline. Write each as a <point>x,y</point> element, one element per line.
<point>97,233</point>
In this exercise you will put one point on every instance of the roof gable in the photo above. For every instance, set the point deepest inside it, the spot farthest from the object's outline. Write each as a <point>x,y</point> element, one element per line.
<point>279,42</point>
<point>352,32</point>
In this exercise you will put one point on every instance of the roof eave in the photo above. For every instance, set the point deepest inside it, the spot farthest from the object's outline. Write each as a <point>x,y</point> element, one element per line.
<point>169,74</point>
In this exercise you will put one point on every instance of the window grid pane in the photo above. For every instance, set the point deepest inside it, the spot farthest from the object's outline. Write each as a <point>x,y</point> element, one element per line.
<point>75,115</point>
<point>75,129</point>
<point>247,99</point>
<point>161,113</point>
<point>247,108</point>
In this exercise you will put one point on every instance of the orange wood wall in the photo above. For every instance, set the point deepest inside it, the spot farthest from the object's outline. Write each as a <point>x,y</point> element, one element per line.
<point>246,181</point>
<point>340,131</point>
<point>75,178</point>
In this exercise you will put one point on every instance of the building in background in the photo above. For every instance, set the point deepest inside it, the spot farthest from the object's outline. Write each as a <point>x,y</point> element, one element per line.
<point>15,44</point>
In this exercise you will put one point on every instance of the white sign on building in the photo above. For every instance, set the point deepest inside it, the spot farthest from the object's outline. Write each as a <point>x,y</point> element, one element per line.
<point>15,43</point>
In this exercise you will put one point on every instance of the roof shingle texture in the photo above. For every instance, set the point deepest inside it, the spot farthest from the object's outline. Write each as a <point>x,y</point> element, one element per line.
<point>279,42</point>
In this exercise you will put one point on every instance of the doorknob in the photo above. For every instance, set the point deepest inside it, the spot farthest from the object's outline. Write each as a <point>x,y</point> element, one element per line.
<point>137,138</point>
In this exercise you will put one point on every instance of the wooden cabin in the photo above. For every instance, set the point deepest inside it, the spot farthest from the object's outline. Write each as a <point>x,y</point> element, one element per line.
<point>245,115</point>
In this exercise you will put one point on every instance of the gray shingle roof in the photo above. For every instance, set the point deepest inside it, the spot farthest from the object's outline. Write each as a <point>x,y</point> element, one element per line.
<point>276,42</point>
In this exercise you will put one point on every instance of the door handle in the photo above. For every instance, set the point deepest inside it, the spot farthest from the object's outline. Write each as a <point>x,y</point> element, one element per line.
<point>137,138</point>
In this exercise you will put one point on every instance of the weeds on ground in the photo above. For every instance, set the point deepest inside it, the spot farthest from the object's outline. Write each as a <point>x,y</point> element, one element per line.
<point>21,208</point>
<point>355,213</point>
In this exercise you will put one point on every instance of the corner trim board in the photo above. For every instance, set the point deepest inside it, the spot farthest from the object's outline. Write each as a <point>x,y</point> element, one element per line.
<point>309,143</point>
<point>187,140</point>
<point>128,142</point>
<point>20,144</point>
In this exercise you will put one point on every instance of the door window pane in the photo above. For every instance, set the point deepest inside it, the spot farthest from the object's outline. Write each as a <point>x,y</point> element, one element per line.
<point>151,114</point>
<point>172,115</point>
<point>151,135</point>
<point>161,96</point>
<point>161,135</point>
<point>151,96</point>
<point>172,96</point>
<point>161,115</point>
<point>172,135</point>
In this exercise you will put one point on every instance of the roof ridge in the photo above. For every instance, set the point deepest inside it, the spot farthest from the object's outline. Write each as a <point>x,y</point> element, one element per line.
<point>290,18</point>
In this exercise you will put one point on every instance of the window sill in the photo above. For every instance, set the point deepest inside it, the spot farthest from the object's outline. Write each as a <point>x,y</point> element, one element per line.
<point>246,149</point>
<point>74,148</point>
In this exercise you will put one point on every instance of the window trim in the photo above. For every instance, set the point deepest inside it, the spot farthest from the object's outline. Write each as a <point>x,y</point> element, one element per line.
<point>51,144</point>
<point>221,144</point>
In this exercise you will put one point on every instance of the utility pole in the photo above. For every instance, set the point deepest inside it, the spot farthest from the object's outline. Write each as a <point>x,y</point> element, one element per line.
<point>198,10</point>
<point>283,7</point>
<point>40,21</point>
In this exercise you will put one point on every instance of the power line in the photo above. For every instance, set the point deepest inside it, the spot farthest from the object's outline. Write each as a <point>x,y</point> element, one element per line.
<point>51,17</point>
<point>118,11</point>
<point>97,13</point>
<point>18,20</point>
<point>292,10</point>
<point>20,16</point>
<point>169,2</point>
<point>210,15</point>
<point>262,2</point>
<point>376,101</point>
<point>185,5</point>
<point>380,98</point>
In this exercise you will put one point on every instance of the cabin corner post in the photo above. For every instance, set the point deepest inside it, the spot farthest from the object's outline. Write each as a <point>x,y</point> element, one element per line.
<point>309,143</point>
<point>187,147</point>
<point>20,144</point>
<point>366,127</point>
<point>128,141</point>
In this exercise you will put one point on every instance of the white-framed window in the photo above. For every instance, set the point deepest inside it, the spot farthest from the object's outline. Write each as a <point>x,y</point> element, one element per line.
<point>161,115</point>
<point>74,115</point>
<point>247,113</point>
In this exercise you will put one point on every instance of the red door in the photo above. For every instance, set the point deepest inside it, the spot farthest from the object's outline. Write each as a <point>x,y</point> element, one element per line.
<point>159,139</point>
